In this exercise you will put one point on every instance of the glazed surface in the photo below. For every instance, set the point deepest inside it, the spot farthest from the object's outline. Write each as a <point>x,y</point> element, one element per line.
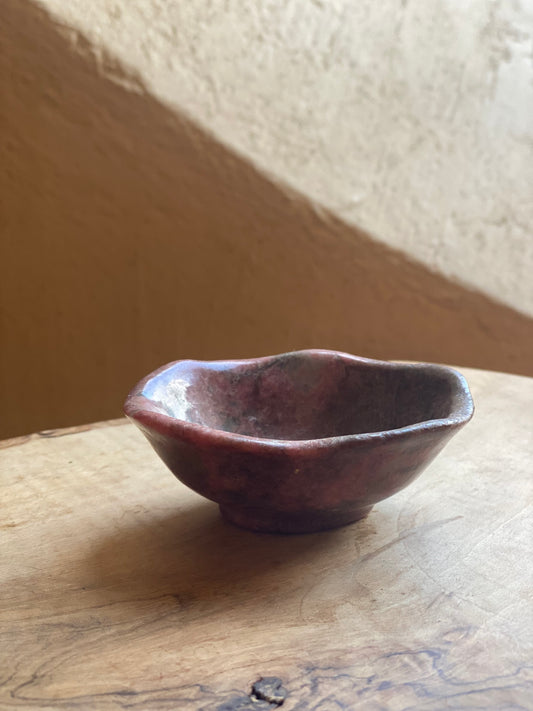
<point>298,397</point>
<point>302,441</point>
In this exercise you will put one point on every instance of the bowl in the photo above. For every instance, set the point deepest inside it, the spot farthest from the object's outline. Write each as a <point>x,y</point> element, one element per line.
<point>302,441</point>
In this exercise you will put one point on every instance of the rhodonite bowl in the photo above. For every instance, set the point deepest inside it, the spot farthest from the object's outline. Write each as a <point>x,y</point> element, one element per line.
<point>302,441</point>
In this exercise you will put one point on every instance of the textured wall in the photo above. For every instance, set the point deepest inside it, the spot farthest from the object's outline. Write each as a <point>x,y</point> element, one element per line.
<point>131,236</point>
<point>412,120</point>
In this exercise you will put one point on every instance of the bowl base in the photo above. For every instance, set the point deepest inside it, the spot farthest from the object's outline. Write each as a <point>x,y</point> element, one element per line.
<point>266,521</point>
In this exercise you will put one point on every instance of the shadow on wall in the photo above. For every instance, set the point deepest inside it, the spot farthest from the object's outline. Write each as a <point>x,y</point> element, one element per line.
<point>131,238</point>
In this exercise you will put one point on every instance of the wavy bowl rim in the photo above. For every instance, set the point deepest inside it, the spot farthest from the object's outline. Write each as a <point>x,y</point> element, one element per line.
<point>141,410</point>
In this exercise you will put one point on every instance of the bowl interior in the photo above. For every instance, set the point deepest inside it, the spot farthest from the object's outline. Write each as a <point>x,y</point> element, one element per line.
<point>303,395</point>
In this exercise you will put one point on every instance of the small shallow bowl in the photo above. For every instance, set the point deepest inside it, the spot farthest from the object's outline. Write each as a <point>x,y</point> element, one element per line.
<point>302,441</point>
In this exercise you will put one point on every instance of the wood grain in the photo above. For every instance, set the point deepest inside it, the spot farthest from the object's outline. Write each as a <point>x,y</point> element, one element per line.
<point>122,589</point>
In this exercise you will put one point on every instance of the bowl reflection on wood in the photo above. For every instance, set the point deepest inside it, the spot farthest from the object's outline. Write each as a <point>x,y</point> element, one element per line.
<point>302,441</point>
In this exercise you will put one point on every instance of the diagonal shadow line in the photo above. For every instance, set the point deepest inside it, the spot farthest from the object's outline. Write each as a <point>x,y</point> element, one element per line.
<point>133,237</point>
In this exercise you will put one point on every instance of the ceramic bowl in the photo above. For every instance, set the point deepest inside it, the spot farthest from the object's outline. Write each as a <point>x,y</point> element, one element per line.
<point>302,441</point>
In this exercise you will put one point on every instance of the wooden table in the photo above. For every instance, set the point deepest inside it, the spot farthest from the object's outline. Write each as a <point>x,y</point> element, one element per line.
<point>122,589</point>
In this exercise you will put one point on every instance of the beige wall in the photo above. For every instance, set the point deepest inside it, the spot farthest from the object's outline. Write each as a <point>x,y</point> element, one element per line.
<point>411,120</point>
<point>131,237</point>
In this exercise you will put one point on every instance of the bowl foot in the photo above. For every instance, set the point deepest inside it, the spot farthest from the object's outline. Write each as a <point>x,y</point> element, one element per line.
<point>266,521</point>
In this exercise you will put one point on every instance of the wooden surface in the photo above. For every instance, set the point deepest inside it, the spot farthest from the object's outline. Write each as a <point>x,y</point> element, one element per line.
<point>122,589</point>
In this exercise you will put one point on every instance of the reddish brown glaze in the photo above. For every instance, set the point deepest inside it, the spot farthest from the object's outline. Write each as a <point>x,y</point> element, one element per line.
<point>301,441</point>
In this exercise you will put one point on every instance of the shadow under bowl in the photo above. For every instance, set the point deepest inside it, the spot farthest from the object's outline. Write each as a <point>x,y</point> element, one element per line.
<point>302,441</point>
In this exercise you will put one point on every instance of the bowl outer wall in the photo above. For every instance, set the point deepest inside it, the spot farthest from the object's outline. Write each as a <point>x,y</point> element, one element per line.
<point>343,473</point>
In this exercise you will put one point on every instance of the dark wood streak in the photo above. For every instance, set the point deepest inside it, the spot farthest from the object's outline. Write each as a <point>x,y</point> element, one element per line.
<point>317,688</point>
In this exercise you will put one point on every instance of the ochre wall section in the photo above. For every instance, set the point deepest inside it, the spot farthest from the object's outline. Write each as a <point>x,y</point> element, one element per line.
<point>131,238</point>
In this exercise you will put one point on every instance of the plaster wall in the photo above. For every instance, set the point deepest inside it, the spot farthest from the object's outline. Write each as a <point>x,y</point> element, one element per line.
<point>412,120</point>
<point>135,231</point>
